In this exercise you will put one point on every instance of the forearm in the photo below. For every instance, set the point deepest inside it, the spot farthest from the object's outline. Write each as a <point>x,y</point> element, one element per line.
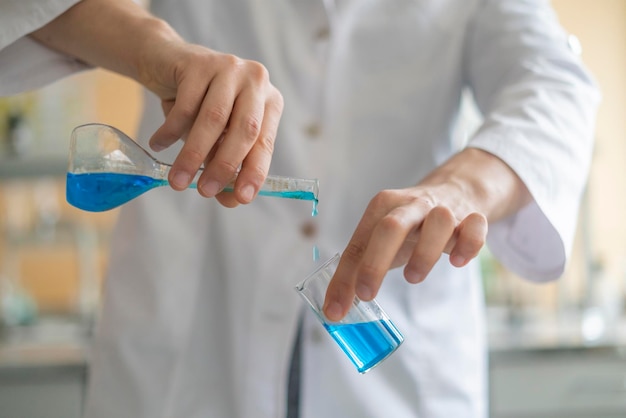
<point>118,39</point>
<point>481,182</point>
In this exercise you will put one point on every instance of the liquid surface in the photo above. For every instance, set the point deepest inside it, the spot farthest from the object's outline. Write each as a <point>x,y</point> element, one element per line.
<point>97,192</point>
<point>366,343</point>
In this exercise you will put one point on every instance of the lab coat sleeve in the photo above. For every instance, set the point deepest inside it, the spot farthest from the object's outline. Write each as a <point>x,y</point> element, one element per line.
<point>24,63</point>
<point>539,106</point>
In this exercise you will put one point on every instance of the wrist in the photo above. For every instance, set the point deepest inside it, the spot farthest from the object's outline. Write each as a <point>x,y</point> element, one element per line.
<point>125,38</point>
<point>155,53</point>
<point>483,183</point>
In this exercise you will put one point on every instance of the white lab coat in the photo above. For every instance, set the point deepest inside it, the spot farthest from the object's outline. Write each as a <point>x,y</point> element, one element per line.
<point>199,309</point>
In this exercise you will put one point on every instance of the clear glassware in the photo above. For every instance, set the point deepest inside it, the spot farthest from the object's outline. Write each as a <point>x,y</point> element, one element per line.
<point>365,334</point>
<point>107,169</point>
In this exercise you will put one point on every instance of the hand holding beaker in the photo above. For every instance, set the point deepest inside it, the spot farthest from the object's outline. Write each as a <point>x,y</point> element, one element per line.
<point>365,333</point>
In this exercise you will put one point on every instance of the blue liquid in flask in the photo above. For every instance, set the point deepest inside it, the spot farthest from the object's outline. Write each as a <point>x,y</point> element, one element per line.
<point>97,192</point>
<point>297,194</point>
<point>366,343</point>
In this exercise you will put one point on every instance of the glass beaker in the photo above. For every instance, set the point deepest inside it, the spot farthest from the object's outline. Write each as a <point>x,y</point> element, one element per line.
<point>107,169</point>
<point>365,334</point>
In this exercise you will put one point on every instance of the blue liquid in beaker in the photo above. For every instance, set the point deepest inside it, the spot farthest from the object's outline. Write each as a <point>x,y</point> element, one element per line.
<point>366,343</point>
<point>97,192</point>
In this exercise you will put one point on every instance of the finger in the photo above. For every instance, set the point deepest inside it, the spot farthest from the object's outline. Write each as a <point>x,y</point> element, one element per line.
<point>244,129</point>
<point>167,105</point>
<point>180,114</point>
<point>471,237</point>
<point>227,199</point>
<point>435,232</point>
<point>340,292</point>
<point>256,164</point>
<point>385,242</point>
<point>209,124</point>
<point>215,147</point>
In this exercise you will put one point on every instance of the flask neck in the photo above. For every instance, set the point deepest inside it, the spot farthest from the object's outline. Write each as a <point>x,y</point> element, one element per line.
<point>161,171</point>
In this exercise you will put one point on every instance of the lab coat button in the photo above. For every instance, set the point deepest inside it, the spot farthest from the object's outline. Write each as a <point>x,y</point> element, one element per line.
<point>574,44</point>
<point>313,130</point>
<point>308,229</point>
<point>323,33</point>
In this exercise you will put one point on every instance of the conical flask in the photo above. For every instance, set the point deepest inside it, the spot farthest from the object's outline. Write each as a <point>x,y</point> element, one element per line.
<point>107,169</point>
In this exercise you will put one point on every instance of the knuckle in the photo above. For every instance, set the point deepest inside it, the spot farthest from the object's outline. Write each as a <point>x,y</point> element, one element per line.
<point>368,273</point>
<point>354,251</point>
<point>278,101</point>
<point>251,126</point>
<point>393,222</point>
<point>255,174</point>
<point>186,111</point>
<point>232,61</point>
<point>192,155</point>
<point>258,72</point>
<point>380,200</point>
<point>426,201</point>
<point>266,143</point>
<point>386,194</point>
<point>217,114</point>
<point>227,167</point>
<point>342,288</point>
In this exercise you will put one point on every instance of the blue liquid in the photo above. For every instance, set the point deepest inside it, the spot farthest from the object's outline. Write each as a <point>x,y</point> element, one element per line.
<point>297,194</point>
<point>97,192</point>
<point>366,343</point>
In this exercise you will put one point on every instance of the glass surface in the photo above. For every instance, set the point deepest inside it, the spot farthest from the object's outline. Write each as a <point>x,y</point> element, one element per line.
<point>366,334</point>
<point>107,169</point>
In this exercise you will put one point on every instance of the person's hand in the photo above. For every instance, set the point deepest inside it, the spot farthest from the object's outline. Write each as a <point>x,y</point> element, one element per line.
<point>227,112</point>
<point>446,213</point>
<point>225,108</point>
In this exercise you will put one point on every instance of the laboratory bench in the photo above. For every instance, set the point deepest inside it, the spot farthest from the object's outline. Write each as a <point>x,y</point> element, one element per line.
<point>533,373</point>
<point>558,382</point>
<point>43,370</point>
<point>557,368</point>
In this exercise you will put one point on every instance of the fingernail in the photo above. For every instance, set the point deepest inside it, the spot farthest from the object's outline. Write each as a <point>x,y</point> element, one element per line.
<point>181,179</point>
<point>363,292</point>
<point>457,260</point>
<point>413,276</point>
<point>247,192</point>
<point>157,147</point>
<point>210,188</point>
<point>333,311</point>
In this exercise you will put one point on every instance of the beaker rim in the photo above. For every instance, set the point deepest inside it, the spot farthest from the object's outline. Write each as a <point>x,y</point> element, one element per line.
<point>300,286</point>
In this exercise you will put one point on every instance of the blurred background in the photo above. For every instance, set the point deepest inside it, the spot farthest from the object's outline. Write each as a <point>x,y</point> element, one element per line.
<point>556,349</point>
